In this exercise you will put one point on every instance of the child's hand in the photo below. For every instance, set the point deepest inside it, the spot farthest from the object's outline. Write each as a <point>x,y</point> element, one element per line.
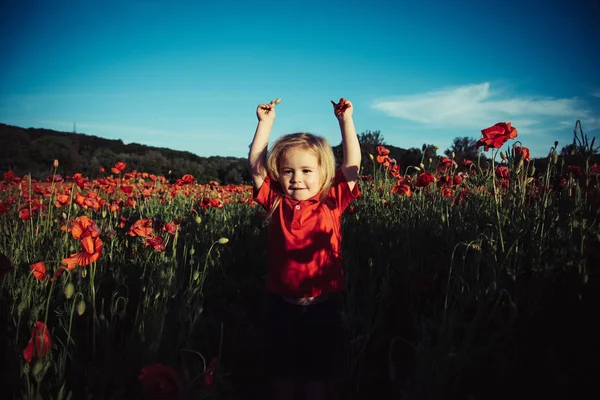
<point>266,112</point>
<point>343,109</point>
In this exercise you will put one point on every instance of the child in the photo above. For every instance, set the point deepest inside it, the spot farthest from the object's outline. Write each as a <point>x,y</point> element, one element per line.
<point>305,195</point>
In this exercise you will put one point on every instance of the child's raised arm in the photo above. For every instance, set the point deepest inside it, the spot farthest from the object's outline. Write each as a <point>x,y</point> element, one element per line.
<point>351,165</point>
<point>257,157</point>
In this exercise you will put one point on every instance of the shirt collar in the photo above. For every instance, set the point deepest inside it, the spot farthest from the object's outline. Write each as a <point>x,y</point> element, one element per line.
<point>314,199</point>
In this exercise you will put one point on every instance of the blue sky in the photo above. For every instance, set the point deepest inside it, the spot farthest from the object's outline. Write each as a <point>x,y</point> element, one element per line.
<point>188,75</point>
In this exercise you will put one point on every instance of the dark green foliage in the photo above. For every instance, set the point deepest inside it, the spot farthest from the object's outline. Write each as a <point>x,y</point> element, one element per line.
<point>33,151</point>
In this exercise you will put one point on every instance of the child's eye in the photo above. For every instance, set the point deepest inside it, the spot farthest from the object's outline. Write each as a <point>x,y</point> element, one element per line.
<point>306,171</point>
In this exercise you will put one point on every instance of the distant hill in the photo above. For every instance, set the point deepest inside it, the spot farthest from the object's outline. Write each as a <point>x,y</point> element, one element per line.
<point>34,150</point>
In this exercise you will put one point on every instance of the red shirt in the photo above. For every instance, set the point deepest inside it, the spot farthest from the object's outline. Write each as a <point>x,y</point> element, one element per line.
<point>304,253</point>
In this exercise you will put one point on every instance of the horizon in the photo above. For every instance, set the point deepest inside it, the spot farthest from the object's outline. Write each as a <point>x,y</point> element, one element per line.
<point>188,76</point>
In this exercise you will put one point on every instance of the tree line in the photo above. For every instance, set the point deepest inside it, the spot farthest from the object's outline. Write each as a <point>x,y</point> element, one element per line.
<point>34,150</point>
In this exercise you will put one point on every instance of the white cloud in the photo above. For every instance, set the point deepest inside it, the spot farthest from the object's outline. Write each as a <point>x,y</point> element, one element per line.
<point>477,106</point>
<point>596,93</point>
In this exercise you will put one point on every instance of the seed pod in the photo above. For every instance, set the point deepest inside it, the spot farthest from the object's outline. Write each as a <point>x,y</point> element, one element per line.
<point>81,308</point>
<point>69,290</point>
<point>223,240</point>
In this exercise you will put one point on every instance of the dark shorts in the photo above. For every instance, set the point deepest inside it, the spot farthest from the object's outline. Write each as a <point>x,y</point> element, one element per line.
<point>302,341</point>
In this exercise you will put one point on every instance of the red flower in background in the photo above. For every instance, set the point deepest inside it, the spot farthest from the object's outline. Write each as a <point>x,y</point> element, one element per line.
<point>340,107</point>
<point>39,270</point>
<point>118,168</point>
<point>171,228</point>
<point>157,242</point>
<point>523,153</point>
<point>209,374</point>
<point>424,179</point>
<point>91,251</point>
<point>503,172</point>
<point>9,176</point>
<point>160,382</point>
<point>39,344</point>
<point>141,227</point>
<point>87,232</point>
<point>495,136</point>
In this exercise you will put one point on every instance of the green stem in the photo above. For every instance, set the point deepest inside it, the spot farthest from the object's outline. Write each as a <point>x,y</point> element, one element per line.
<point>496,201</point>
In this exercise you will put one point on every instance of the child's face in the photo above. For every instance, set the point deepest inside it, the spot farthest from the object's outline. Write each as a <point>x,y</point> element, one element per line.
<point>299,174</point>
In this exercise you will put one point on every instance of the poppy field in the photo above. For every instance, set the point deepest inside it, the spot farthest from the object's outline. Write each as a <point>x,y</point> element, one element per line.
<point>470,281</point>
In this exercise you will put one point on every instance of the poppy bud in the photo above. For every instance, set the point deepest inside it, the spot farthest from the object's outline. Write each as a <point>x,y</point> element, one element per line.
<point>196,275</point>
<point>198,219</point>
<point>223,240</point>
<point>422,166</point>
<point>371,156</point>
<point>532,171</point>
<point>192,251</point>
<point>55,164</point>
<point>503,155</point>
<point>453,154</point>
<point>278,100</point>
<point>554,158</point>
<point>81,308</point>
<point>69,290</point>
<point>83,272</point>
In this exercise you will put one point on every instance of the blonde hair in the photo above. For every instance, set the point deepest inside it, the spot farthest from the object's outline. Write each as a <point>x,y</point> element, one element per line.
<point>317,145</point>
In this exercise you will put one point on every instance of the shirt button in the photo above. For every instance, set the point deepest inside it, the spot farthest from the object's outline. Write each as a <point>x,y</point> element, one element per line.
<point>297,207</point>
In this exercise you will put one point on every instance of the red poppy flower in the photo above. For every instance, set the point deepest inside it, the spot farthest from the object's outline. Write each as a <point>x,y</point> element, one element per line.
<point>141,227</point>
<point>39,270</point>
<point>84,227</point>
<point>187,179</point>
<point>209,374</point>
<point>523,153</point>
<point>402,188</point>
<point>171,228</point>
<point>91,252</point>
<point>424,179</point>
<point>495,136</point>
<point>160,382</point>
<point>340,107</point>
<point>118,168</point>
<point>157,242</point>
<point>39,344</point>
<point>502,172</point>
